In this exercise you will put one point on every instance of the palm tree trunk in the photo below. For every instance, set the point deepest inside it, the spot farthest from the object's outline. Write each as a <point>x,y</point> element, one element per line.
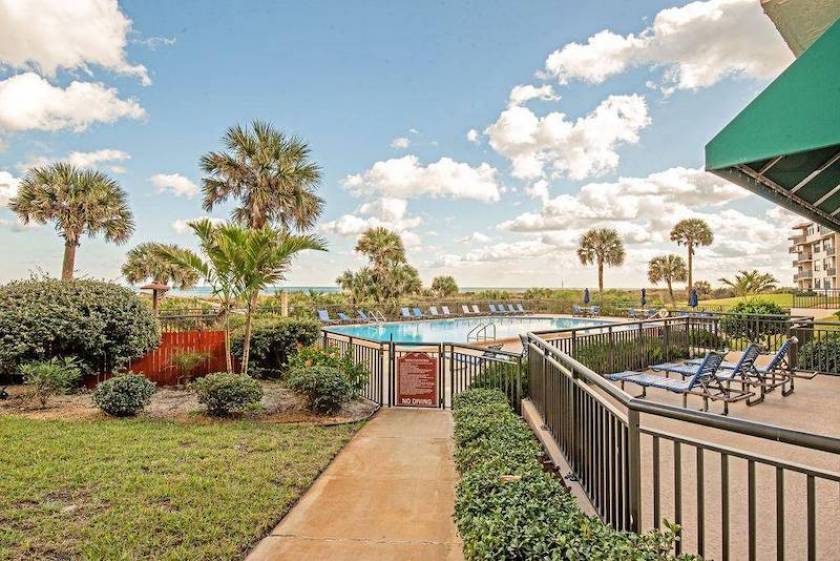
<point>600,276</point>
<point>246,346</point>
<point>228,357</point>
<point>671,292</point>
<point>690,265</point>
<point>69,263</point>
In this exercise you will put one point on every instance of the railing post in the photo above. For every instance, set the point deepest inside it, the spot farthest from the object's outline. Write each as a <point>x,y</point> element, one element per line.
<point>634,476</point>
<point>610,346</point>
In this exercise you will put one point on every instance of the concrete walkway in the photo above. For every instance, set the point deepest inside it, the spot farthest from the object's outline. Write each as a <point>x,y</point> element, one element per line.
<point>388,496</point>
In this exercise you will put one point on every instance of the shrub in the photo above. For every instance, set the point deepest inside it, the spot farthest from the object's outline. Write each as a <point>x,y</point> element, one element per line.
<point>187,361</point>
<point>355,373</point>
<point>102,324</point>
<point>274,342</point>
<point>529,516</point>
<point>325,387</point>
<point>51,377</point>
<point>224,393</point>
<point>503,376</point>
<point>739,324</point>
<point>124,395</point>
<point>821,355</point>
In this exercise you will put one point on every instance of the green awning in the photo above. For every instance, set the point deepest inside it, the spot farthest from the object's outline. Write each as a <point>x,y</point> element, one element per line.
<point>785,145</point>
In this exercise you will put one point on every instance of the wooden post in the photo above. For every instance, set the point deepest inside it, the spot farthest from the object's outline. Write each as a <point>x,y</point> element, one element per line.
<point>284,303</point>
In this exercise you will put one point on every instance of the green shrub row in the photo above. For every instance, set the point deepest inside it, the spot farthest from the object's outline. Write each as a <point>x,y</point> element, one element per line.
<point>274,341</point>
<point>820,355</point>
<point>508,508</point>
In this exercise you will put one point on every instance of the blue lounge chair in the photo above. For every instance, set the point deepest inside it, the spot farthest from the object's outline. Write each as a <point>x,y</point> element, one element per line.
<point>493,309</point>
<point>595,311</point>
<point>576,310</point>
<point>520,309</point>
<point>445,310</point>
<point>476,309</point>
<point>324,316</point>
<point>696,384</point>
<point>631,313</point>
<point>415,312</point>
<point>433,311</point>
<point>511,309</point>
<point>502,309</point>
<point>344,317</point>
<point>467,310</point>
<point>364,317</point>
<point>404,313</point>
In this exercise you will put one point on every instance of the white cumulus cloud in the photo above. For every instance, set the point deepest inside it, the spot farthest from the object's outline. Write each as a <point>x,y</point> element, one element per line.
<point>29,102</point>
<point>695,46</point>
<point>386,212</point>
<point>174,183</point>
<point>46,35</point>
<point>472,136</point>
<point>406,177</point>
<point>8,187</point>
<point>524,93</point>
<point>577,149</point>
<point>401,143</point>
<point>182,225</point>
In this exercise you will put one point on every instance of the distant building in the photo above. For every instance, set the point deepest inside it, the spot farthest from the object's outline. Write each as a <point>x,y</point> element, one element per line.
<point>816,256</point>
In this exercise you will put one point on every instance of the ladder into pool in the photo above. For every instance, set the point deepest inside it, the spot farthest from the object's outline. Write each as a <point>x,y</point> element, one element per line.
<point>482,332</point>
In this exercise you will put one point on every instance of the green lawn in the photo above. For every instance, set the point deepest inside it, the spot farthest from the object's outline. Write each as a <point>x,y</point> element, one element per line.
<point>149,489</point>
<point>783,300</point>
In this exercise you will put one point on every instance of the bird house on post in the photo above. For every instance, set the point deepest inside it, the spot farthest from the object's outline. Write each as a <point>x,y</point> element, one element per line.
<point>158,292</point>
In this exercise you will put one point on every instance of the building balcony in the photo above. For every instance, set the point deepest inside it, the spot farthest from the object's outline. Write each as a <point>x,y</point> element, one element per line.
<point>831,272</point>
<point>829,250</point>
<point>798,239</point>
<point>803,275</point>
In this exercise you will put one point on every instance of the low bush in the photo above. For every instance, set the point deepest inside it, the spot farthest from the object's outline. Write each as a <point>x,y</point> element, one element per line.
<point>326,388</point>
<point>508,508</point>
<point>741,323</point>
<point>273,342</point>
<point>48,378</point>
<point>224,393</point>
<point>820,355</point>
<point>103,325</point>
<point>356,374</point>
<point>504,376</point>
<point>124,395</point>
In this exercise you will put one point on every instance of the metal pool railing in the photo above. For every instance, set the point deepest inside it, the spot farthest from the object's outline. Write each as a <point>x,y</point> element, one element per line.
<point>739,489</point>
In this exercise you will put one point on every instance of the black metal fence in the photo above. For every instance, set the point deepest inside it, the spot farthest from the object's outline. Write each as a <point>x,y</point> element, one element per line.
<point>459,367</point>
<point>824,298</point>
<point>739,489</point>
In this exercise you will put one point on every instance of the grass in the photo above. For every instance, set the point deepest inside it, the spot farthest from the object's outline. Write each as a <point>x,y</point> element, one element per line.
<point>151,489</point>
<point>785,300</point>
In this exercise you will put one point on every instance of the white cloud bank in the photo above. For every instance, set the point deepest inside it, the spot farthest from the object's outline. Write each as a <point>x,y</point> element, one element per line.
<point>29,102</point>
<point>695,45</point>
<point>8,187</point>
<point>46,35</point>
<point>93,159</point>
<point>406,178</point>
<point>387,212</point>
<point>174,183</point>
<point>577,149</point>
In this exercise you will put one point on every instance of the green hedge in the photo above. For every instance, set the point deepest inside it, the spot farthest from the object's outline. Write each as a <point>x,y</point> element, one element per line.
<point>103,325</point>
<point>274,342</point>
<point>527,515</point>
<point>740,322</point>
<point>820,355</point>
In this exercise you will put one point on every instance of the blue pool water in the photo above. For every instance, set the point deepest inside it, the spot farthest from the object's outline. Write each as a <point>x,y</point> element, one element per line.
<point>455,330</point>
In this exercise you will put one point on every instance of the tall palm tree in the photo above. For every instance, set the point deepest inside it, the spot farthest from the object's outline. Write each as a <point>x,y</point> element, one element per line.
<point>602,246</point>
<point>145,262</point>
<point>79,202</point>
<point>356,285</point>
<point>241,262</point>
<point>668,269</point>
<point>692,232</point>
<point>382,246</point>
<point>751,282</point>
<point>269,173</point>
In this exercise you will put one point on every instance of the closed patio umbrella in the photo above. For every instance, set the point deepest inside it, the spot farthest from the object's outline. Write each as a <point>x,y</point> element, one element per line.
<point>586,296</point>
<point>693,300</point>
<point>644,297</point>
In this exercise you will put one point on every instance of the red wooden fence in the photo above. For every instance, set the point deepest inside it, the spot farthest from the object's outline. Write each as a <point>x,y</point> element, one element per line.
<point>157,365</point>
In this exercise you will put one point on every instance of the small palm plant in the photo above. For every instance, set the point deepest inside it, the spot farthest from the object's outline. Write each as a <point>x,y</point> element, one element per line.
<point>692,232</point>
<point>444,285</point>
<point>668,269</point>
<point>751,282</point>
<point>240,263</point>
<point>79,202</point>
<point>602,246</point>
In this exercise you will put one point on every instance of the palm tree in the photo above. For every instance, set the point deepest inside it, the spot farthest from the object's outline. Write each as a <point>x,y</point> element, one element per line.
<point>357,285</point>
<point>79,202</point>
<point>445,285</point>
<point>145,262</point>
<point>692,232</point>
<point>269,173</point>
<point>751,282</point>
<point>240,263</point>
<point>601,246</point>
<point>668,269</point>
<point>382,246</point>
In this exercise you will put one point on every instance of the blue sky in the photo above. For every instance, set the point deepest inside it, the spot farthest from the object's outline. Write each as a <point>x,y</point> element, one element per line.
<point>386,93</point>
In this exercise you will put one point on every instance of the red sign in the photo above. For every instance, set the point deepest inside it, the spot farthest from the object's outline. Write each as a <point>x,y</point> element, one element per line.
<point>417,380</point>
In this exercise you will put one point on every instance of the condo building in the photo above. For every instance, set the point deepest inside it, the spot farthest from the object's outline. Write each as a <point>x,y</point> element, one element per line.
<point>816,256</point>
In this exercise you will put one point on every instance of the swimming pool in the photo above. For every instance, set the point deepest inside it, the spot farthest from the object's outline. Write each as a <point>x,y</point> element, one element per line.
<point>455,330</point>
